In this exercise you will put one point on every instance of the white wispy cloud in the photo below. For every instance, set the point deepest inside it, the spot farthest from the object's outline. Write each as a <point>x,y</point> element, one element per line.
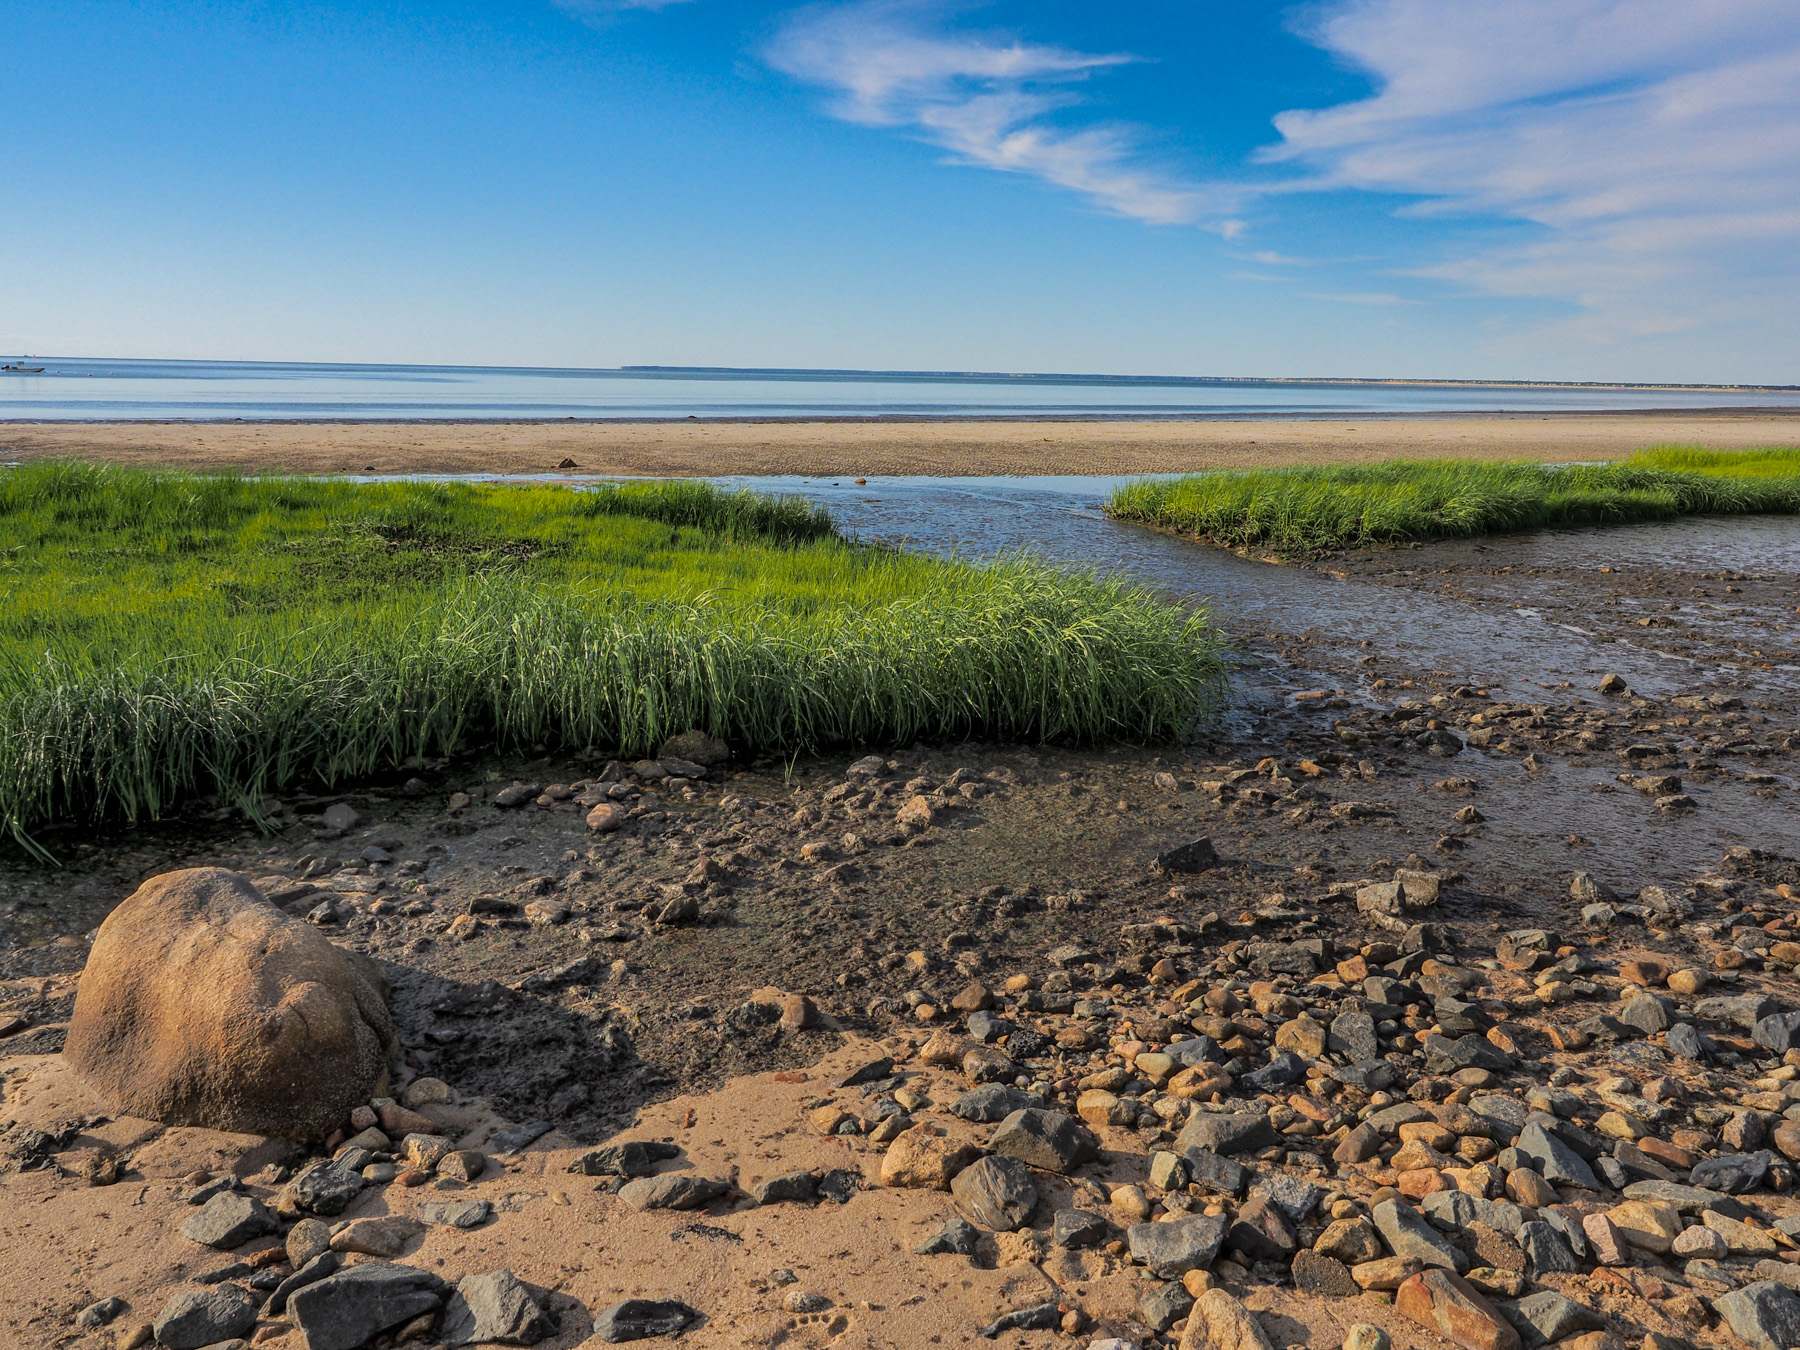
<point>599,11</point>
<point>1655,145</point>
<point>988,100</point>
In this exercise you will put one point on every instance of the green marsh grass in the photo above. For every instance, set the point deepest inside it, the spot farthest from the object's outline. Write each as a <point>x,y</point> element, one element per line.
<point>167,636</point>
<point>1313,510</point>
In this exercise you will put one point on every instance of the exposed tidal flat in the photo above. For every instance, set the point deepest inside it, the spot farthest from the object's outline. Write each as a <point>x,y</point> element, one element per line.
<point>1312,509</point>
<point>165,636</point>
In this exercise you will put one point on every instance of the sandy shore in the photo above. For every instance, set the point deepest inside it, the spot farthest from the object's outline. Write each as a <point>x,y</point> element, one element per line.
<point>875,449</point>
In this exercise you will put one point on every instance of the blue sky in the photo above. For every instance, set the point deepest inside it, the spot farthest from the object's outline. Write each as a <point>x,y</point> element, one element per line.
<point>1560,189</point>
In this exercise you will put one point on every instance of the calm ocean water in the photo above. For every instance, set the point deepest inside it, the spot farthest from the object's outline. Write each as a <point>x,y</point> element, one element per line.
<point>100,390</point>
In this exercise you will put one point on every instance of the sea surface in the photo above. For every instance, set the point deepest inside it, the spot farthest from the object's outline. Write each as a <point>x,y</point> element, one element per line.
<point>86,389</point>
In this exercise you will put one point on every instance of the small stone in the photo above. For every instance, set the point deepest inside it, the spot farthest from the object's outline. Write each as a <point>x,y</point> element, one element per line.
<point>924,1160</point>
<point>493,1308</point>
<point>1552,1316</point>
<point>1219,1321</point>
<point>1440,1301</point>
<point>1172,1248</point>
<point>1048,1140</point>
<point>1317,1274</point>
<point>1078,1228</point>
<point>672,1190</point>
<point>958,1237</point>
<point>1700,1241</point>
<point>204,1317</point>
<point>1407,1234</point>
<point>1764,1315</point>
<point>1363,1336</point>
<point>995,1192</point>
<point>638,1319</point>
<point>455,1213</point>
<point>1351,1241</point>
<point>229,1220</point>
<point>1386,1274</point>
<point>1646,1224</point>
<point>1608,1242</point>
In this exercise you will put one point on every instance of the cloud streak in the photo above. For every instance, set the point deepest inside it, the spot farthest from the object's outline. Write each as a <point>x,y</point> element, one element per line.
<point>1653,144</point>
<point>989,101</point>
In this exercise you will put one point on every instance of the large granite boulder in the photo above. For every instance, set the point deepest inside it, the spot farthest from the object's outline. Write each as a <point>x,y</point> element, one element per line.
<point>203,1004</point>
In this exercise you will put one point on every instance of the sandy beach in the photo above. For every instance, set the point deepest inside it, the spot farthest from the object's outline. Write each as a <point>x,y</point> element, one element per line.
<point>880,449</point>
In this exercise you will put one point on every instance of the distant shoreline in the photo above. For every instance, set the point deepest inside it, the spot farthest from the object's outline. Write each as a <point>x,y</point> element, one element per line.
<point>876,448</point>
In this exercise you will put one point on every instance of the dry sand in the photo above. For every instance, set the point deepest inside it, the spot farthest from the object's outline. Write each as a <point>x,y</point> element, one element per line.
<point>880,449</point>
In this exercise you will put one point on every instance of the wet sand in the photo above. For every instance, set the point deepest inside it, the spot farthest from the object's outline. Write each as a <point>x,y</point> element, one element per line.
<point>879,449</point>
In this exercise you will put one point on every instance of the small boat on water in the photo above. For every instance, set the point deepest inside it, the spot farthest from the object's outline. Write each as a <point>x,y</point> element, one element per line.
<point>21,370</point>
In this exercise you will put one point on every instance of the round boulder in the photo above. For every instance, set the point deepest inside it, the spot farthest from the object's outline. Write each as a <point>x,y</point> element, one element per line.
<point>203,1004</point>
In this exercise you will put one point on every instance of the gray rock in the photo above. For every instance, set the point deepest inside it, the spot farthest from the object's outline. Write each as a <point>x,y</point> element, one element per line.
<point>958,1237</point>
<point>987,1027</point>
<point>1048,1140</point>
<point>1445,1055</point>
<point>1742,1010</point>
<point>1554,1158</point>
<point>1294,1196</point>
<point>996,1192</point>
<point>1282,1071</point>
<point>229,1220</point>
<point>673,1190</point>
<point>1764,1315</point>
<point>322,1188</point>
<point>1646,1012</point>
<point>791,1188</point>
<point>634,1158</point>
<point>325,1263</point>
<point>516,1138</point>
<point>839,1184</point>
<point>1209,1171</point>
<point>1779,1032</point>
<point>1372,1075</point>
<point>1196,856</point>
<point>1450,1210</point>
<point>638,1318</point>
<point>1226,1132</point>
<point>1038,1317</point>
<point>1503,1216</point>
<point>1545,1249</point>
<point>358,1303</point>
<point>1457,1018</point>
<point>1165,1305</point>
<point>100,1314</point>
<point>200,1317</point>
<point>1685,1041</point>
<point>1195,1051</point>
<point>1609,1170</point>
<point>1261,1231</point>
<point>1507,1114</point>
<point>455,1213</point>
<point>1686,1199</point>
<point>1407,1234</point>
<point>1173,1248</point>
<point>1077,1228</point>
<point>1568,1227</point>
<point>992,1102</point>
<point>1637,1163</point>
<point>1548,1316</point>
<point>496,1307</point>
<point>1733,1173</point>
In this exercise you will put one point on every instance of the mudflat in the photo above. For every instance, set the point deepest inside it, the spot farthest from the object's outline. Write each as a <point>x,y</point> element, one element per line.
<point>877,449</point>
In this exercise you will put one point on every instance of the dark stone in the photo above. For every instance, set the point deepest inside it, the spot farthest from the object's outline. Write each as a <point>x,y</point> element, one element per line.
<point>1764,1315</point>
<point>1450,1210</point>
<point>1742,1010</point>
<point>1076,1228</point>
<point>1282,958</point>
<point>792,1188</point>
<point>1208,1170</point>
<point>1545,1249</point>
<point>1165,1305</point>
<point>1194,1052</point>
<point>638,1318</point>
<point>100,1314</point>
<point>1548,1316</point>
<point>358,1303</point>
<point>1638,1163</point>
<point>1407,1234</point>
<point>1779,1032</point>
<point>634,1158</point>
<point>511,1141</point>
<point>839,1184</point>
<point>200,1317</point>
<point>1173,1248</point>
<point>995,1192</point>
<point>1734,1173</point>
<point>872,1072</point>
<point>1610,1171</point>
<point>1261,1231</point>
<point>1196,856</point>
<point>1685,1041</point>
<point>323,1188</point>
<point>1282,1071</point>
<point>1372,1075</point>
<point>1292,1195</point>
<point>1445,1055</point>
<point>958,1237</point>
<point>325,1263</point>
<point>1352,1034</point>
<point>1041,1317</point>
<point>1048,1140</point>
<point>1326,1275</point>
<point>229,1220</point>
<point>1554,1158</point>
<point>672,1190</point>
<point>496,1307</point>
<point>1226,1132</point>
<point>1647,1013</point>
<point>1457,1018</point>
<point>992,1102</point>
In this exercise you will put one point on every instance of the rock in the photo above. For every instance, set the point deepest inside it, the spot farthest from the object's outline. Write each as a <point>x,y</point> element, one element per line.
<point>1646,1013</point>
<point>1164,1306</point>
<point>915,813</point>
<point>985,1064</point>
<point>608,817</point>
<point>672,1190</point>
<point>1261,1231</point>
<point>1779,1032</point>
<point>1226,1133</point>
<point>1700,1241</point>
<point>1195,856</point>
<point>958,1237</point>
<point>1646,1224</point>
<point>1743,1010</point>
<point>1554,1158</point>
<point>326,1263</point>
<point>203,1004</point>
<point>1448,1305</point>
<point>995,1192</point>
<point>1764,1315</point>
<point>1409,1235</point>
<point>1353,1034</point>
<point>1607,1241</point>
<point>1315,1273</point>
<point>1047,1140</point>
<point>497,1308</point>
<point>1301,1035</point>
<point>1351,1241</point>
<point>1038,1317</point>
<point>1740,1238</point>
<point>1732,1173</point>
<point>699,748</point>
<point>229,1220</point>
<point>638,1318</point>
<point>1444,1054</point>
<point>1173,1248</point>
<point>1359,1145</point>
<point>1078,1228</point>
<point>100,1314</point>
<point>633,1158</point>
<point>358,1303</point>
<point>321,1188</point>
<point>1551,1317</point>
<point>1211,1172</point>
<point>791,1188</point>
<point>1099,1108</point>
<point>1387,1273</point>
<point>1545,1250</point>
<point>918,1158</point>
<point>305,1240</point>
<point>455,1213</point>
<point>386,1236</point>
<point>1363,1336</point>
<point>203,1317</point>
<point>1219,1321</point>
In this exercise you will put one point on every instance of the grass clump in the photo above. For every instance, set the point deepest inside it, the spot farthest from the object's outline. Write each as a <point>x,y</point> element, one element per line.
<point>1313,510</point>
<point>165,636</point>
